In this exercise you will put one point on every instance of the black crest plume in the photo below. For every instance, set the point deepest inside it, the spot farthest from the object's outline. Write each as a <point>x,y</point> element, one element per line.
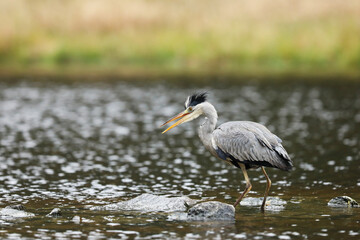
<point>196,99</point>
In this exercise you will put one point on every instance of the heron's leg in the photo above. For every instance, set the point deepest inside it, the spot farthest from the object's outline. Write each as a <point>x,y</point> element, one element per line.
<point>268,185</point>
<point>248,185</point>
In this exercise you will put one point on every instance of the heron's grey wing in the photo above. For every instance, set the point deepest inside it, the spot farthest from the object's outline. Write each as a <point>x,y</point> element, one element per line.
<point>252,144</point>
<point>268,138</point>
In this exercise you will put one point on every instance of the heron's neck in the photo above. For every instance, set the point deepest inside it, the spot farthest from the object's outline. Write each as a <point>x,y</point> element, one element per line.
<point>207,127</point>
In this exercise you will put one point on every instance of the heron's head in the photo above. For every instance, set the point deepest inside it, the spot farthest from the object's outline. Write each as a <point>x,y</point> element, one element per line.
<point>192,111</point>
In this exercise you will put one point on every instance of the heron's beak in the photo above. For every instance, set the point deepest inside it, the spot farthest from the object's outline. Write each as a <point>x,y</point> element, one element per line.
<point>183,119</point>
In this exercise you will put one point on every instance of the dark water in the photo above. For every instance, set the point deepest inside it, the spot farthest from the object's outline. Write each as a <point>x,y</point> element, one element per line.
<point>78,145</point>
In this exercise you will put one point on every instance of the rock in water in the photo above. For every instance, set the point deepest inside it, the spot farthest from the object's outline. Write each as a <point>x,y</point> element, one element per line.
<point>14,212</point>
<point>78,220</point>
<point>252,201</point>
<point>151,203</point>
<point>272,203</point>
<point>342,201</point>
<point>17,207</point>
<point>211,211</point>
<point>56,212</point>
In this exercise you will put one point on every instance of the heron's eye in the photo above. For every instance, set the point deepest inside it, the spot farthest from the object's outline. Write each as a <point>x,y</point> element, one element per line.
<point>190,109</point>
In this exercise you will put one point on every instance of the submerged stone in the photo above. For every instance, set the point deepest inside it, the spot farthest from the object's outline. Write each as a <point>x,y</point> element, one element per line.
<point>151,203</point>
<point>77,219</point>
<point>17,207</point>
<point>211,211</point>
<point>56,212</point>
<point>14,212</point>
<point>272,203</point>
<point>342,201</point>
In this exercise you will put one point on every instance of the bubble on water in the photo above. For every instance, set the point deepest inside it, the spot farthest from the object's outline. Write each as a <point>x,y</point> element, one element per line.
<point>282,183</point>
<point>270,234</point>
<point>285,237</point>
<point>113,158</point>
<point>11,181</point>
<point>331,163</point>
<point>307,166</point>
<point>126,180</point>
<point>327,183</point>
<point>322,234</point>
<point>129,158</point>
<point>240,236</point>
<point>353,233</point>
<point>340,168</point>
<point>71,167</point>
<point>121,130</point>
<point>49,171</point>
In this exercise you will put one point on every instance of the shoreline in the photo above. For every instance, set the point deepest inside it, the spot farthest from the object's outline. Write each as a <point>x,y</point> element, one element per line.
<point>91,73</point>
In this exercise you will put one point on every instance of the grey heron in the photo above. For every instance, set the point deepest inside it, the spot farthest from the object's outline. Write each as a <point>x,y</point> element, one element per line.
<point>243,144</point>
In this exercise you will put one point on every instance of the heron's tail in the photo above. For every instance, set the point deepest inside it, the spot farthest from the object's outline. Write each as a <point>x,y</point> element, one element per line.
<point>288,165</point>
<point>285,163</point>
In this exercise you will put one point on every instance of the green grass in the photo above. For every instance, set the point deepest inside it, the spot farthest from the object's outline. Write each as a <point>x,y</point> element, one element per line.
<point>324,41</point>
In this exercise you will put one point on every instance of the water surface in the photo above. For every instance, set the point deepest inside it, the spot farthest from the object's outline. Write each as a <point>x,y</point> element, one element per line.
<point>83,144</point>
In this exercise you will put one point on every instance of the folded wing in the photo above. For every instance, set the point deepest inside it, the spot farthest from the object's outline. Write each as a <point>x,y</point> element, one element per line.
<point>250,143</point>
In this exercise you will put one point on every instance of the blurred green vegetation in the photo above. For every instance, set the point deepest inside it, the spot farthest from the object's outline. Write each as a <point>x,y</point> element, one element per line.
<point>175,37</point>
